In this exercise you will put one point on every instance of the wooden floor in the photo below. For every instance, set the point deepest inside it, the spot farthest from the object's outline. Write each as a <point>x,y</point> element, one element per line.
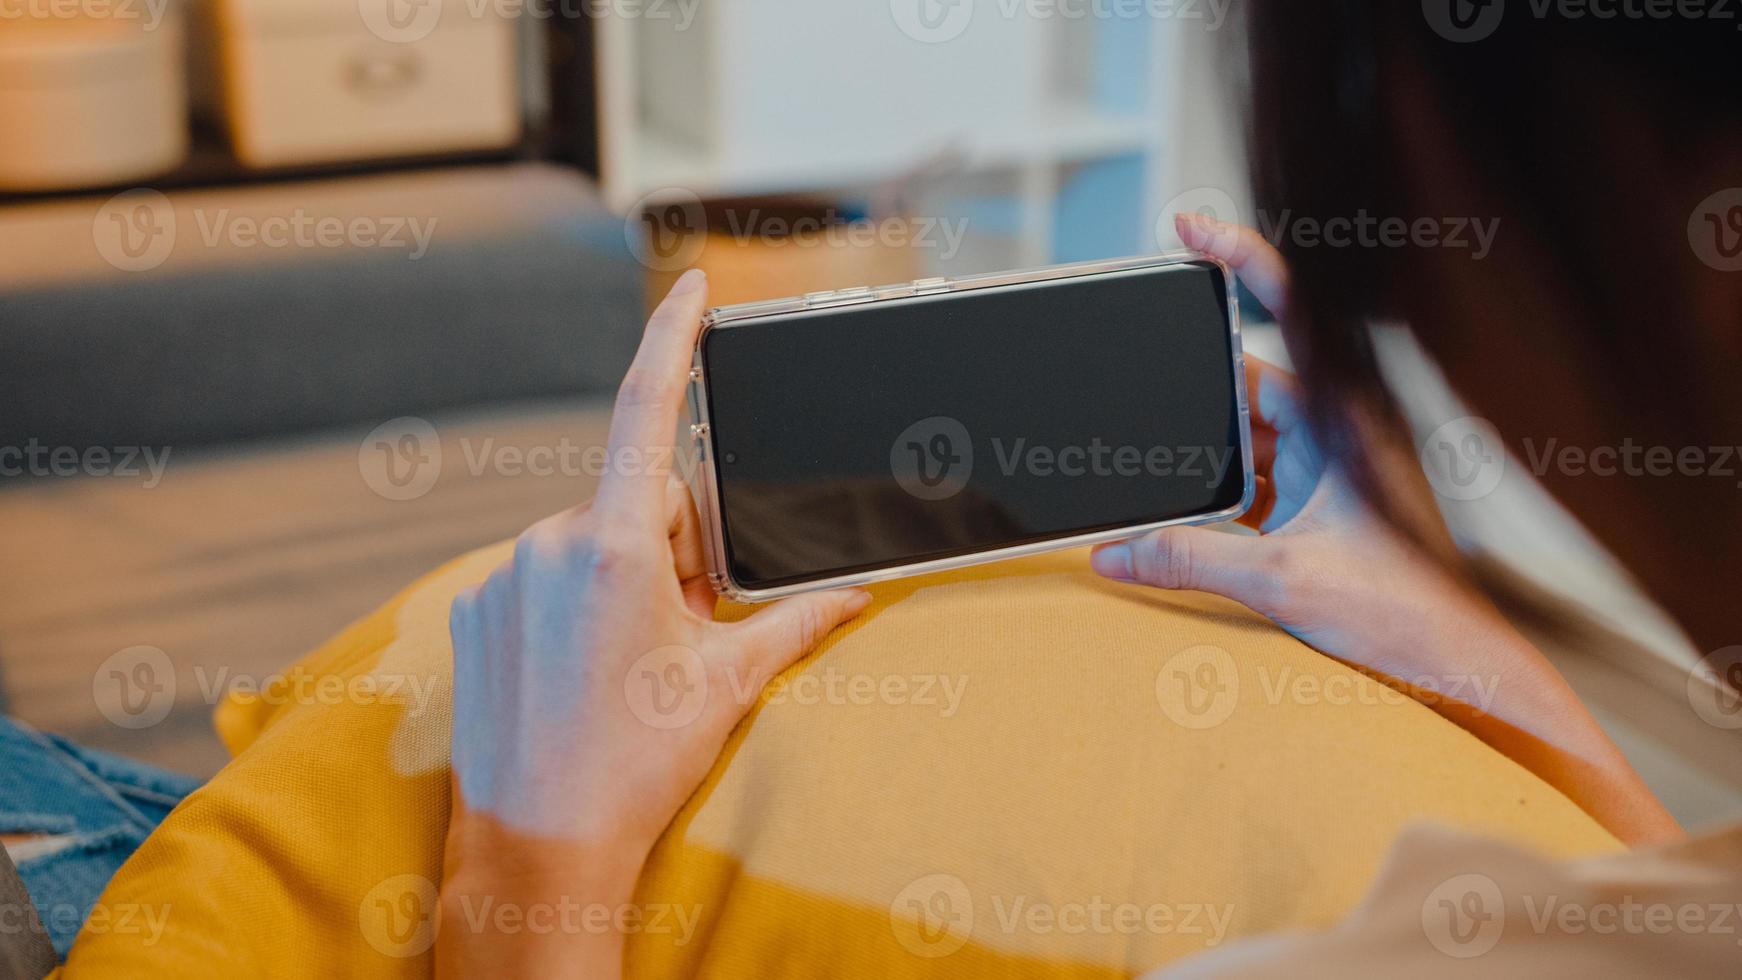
<point>239,562</point>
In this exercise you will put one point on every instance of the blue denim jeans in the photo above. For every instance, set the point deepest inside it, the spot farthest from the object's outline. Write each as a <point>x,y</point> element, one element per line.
<point>96,808</point>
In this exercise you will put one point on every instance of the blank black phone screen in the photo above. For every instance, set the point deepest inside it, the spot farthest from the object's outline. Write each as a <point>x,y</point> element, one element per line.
<point>866,437</point>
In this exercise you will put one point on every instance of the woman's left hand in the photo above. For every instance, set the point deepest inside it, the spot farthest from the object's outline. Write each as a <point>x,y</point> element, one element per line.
<point>593,690</point>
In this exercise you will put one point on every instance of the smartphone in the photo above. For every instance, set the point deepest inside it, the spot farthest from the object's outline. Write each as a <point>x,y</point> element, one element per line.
<point>858,435</point>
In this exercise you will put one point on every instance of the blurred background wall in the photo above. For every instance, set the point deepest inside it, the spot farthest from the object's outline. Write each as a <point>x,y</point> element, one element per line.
<point>291,290</point>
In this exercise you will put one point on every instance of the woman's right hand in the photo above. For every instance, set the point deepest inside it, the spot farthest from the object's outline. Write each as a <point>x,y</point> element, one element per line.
<point>1325,567</point>
<point>1332,573</point>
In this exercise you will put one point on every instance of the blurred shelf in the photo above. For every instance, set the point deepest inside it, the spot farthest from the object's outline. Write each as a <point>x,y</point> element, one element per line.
<point>794,97</point>
<point>210,164</point>
<point>665,167</point>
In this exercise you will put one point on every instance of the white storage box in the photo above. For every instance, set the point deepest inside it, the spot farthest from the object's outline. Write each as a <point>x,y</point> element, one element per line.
<point>321,81</point>
<point>88,101</point>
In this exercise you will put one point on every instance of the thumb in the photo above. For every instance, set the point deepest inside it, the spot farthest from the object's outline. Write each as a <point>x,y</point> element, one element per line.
<point>788,630</point>
<point>1238,567</point>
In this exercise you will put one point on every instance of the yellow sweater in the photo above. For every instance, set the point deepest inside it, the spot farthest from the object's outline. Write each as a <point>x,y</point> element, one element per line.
<point>1014,770</point>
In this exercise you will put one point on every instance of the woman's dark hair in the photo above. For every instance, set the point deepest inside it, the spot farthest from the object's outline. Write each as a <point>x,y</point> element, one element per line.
<point>1593,141</point>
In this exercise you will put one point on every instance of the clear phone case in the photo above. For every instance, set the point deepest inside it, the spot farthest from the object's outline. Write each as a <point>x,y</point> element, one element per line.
<point>706,480</point>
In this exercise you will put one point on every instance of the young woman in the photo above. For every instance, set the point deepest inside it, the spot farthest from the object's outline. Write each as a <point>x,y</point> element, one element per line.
<point>1601,317</point>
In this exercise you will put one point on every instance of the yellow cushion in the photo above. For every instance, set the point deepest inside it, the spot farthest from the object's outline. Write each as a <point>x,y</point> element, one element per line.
<point>1020,769</point>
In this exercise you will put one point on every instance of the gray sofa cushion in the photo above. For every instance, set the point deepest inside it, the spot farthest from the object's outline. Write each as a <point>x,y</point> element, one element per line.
<point>526,289</point>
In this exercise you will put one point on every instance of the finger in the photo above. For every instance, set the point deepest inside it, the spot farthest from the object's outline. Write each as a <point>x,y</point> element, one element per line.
<point>644,421</point>
<point>1239,567</point>
<point>776,637</point>
<point>1263,502</point>
<point>688,556</point>
<point>1294,474</point>
<point>471,684</point>
<point>1257,262</point>
<point>1273,395</point>
<point>684,528</point>
<point>1264,440</point>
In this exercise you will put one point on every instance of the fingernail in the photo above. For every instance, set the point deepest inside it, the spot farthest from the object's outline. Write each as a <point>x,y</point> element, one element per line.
<point>689,282</point>
<point>1196,225</point>
<point>858,602</point>
<point>1113,561</point>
